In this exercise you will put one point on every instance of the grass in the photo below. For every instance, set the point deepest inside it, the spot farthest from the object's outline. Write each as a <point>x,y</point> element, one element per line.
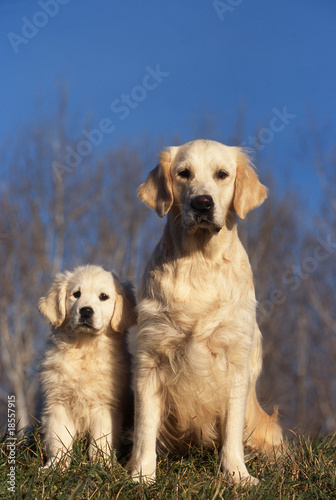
<point>307,471</point>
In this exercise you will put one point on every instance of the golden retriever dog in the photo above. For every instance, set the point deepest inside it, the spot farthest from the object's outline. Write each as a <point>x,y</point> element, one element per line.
<point>198,345</point>
<point>85,371</point>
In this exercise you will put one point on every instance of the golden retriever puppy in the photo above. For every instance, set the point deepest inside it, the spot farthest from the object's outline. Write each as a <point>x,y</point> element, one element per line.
<point>198,345</point>
<point>85,371</point>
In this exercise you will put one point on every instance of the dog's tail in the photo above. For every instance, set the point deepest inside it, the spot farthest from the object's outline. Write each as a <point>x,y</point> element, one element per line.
<point>262,431</point>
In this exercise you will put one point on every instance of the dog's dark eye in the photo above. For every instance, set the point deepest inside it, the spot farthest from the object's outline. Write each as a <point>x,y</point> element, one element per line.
<point>77,294</point>
<point>185,174</point>
<point>222,174</point>
<point>103,297</point>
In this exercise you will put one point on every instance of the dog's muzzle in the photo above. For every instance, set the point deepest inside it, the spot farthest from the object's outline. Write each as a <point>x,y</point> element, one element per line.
<point>86,316</point>
<point>202,203</point>
<point>202,210</point>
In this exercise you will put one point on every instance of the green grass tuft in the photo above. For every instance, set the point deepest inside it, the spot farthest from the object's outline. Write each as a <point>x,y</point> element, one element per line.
<point>306,471</point>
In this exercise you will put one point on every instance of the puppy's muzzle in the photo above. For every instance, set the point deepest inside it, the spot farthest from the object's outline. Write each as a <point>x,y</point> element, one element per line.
<point>86,314</point>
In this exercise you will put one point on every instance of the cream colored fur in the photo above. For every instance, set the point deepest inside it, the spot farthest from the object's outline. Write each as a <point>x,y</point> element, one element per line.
<point>85,371</point>
<point>198,346</point>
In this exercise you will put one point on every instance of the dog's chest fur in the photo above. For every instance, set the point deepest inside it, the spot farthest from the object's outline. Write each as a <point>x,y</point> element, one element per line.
<point>80,374</point>
<point>199,312</point>
<point>199,294</point>
<point>201,328</point>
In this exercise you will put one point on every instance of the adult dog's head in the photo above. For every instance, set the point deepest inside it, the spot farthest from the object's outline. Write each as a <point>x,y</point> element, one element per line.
<point>89,300</point>
<point>201,181</point>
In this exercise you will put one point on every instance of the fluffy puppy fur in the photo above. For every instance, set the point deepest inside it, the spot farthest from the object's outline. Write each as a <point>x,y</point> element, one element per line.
<point>85,371</point>
<point>198,346</point>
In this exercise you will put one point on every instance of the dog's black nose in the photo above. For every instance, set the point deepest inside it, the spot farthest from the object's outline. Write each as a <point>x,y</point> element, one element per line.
<point>203,203</point>
<point>86,312</point>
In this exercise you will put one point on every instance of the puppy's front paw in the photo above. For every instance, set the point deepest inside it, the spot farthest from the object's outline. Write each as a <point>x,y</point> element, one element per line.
<point>143,473</point>
<point>52,462</point>
<point>45,467</point>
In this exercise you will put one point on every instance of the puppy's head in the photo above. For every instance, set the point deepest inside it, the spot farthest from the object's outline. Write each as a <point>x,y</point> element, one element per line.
<point>200,182</point>
<point>89,300</point>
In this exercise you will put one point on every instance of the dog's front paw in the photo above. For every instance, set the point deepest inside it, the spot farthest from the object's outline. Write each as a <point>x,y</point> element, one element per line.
<point>142,477</point>
<point>52,462</point>
<point>241,478</point>
<point>45,467</point>
<point>249,481</point>
<point>143,473</point>
<point>238,474</point>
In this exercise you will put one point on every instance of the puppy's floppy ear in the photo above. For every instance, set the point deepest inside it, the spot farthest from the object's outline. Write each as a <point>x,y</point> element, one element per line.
<point>249,192</point>
<point>124,314</point>
<point>157,190</point>
<point>53,305</point>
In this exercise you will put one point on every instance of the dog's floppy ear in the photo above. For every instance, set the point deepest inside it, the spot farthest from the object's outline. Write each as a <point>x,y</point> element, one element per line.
<point>124,314</point>
<point>53,305</point>
<point>249,192</point>
<point>157,190</point>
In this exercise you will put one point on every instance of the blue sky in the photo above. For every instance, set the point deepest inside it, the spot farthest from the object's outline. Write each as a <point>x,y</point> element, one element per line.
<point>272,58</point>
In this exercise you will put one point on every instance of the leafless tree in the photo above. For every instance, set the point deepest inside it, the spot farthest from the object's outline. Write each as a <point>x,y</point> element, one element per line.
<point>55,215</point>
<point>57,212</point>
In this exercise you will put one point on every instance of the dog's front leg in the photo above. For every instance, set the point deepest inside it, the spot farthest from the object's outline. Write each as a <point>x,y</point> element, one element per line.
<point>101,429</point>
<point>233,421</point>
<point>147,422</point>
<point>60,432</point>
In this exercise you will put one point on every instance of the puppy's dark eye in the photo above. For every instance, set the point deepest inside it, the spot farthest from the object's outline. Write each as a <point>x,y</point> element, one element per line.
<point>222,174</point>
<point>77,294</point>
<point>103,297</point>
<point>185,174</point>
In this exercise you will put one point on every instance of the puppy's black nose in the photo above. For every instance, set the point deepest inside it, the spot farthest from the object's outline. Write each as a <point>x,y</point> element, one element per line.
<point>203,203</point>
<point>86,312</point>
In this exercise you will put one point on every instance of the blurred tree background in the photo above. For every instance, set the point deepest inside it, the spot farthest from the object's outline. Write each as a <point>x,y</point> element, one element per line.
<point>59,211</point>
